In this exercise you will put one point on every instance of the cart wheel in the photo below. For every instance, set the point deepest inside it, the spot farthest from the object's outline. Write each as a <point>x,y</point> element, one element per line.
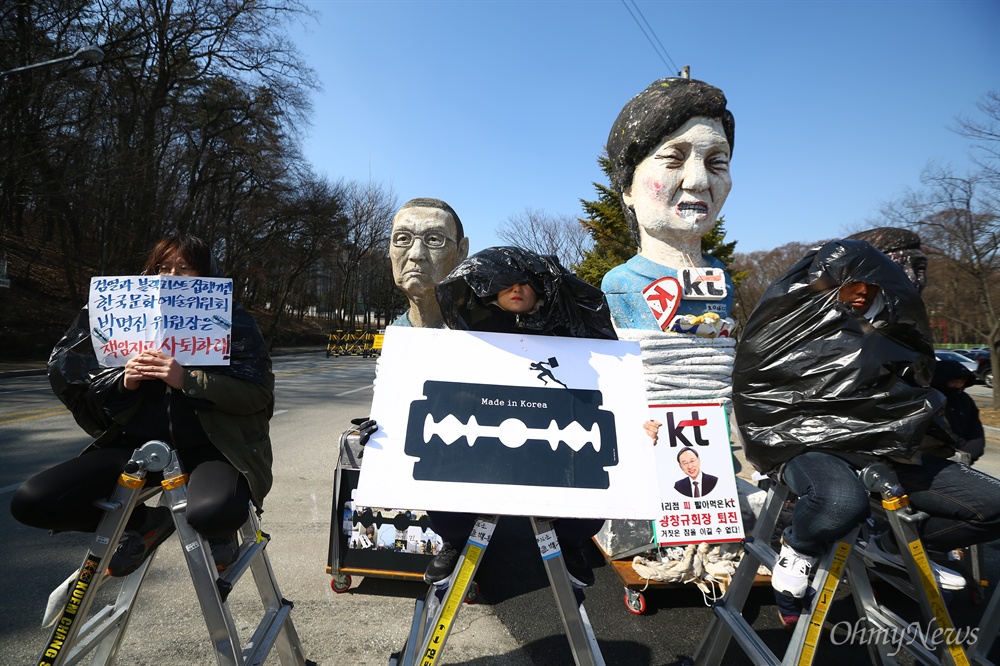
<point>635,602</point>
<point>472,594</point>
<point>341,584</point>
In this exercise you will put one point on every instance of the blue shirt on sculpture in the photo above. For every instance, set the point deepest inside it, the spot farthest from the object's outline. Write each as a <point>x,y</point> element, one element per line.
<point>623,287</point>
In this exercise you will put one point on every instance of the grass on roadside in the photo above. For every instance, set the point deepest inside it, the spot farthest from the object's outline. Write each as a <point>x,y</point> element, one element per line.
<point>990,417</point>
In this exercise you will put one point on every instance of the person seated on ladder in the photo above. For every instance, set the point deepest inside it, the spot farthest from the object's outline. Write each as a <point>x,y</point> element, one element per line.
<point>832,373</point>
<point>510,290</point>
<point>951,378</point>
<point>216,417</point>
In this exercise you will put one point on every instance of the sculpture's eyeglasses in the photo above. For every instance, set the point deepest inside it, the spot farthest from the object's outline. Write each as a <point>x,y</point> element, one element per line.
<point>432,239</point>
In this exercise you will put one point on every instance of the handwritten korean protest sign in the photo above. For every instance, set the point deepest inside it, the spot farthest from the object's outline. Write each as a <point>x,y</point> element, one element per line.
<point>188,318</point>
<point>694,462</point>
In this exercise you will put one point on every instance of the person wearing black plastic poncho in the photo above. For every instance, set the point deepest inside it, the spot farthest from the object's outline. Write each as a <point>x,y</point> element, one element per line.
<point>510,290</point>
<point>216,417</point>
<point>832,372</point>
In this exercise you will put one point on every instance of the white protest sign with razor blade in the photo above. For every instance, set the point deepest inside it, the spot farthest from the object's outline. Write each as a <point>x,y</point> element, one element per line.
<point>497,423</point>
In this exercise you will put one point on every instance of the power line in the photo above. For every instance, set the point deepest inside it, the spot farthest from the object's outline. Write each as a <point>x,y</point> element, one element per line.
<point>660,51</point>
<point>653,33</point>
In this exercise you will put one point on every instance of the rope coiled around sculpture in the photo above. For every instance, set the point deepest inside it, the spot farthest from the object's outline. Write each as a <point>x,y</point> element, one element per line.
<point>686,367</point>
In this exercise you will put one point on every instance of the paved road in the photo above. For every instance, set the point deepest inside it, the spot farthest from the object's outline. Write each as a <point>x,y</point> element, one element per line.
<point>514,623</point>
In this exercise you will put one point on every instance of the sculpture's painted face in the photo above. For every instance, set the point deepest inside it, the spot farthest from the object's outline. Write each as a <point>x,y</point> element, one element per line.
<point>424,248</point>
<point>518,299</point>
<point>680,186</point>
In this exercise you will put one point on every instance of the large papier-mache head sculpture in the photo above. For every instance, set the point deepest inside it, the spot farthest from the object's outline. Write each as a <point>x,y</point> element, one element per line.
<point>650,118</point>
<point>669,151</point>
<point>427,241</point>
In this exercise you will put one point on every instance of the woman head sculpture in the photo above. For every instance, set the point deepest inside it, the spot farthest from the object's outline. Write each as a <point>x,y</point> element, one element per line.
<point>669,151</point>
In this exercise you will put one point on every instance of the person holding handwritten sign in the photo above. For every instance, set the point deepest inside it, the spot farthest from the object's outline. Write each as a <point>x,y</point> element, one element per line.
<point>216,417</point>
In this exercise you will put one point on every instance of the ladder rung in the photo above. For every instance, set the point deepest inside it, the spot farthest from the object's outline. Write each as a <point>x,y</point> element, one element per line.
<point>97,628</point>
<point>888,623</point>
<point>267,632</point>
<point>751,643</point>
<point>235,571</point>
<point>761,552</point>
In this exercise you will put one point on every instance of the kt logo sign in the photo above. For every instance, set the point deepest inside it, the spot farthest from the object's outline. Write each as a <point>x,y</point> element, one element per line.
<point>678,431</point>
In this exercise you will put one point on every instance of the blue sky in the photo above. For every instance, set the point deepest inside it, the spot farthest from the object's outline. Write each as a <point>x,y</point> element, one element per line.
<point>495,106</point>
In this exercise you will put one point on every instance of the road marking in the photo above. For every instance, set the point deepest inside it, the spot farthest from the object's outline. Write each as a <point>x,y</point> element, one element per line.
<point>10,489</point>
<point>279,411</point>
<point>291,373</point>
<point>28,412</point>
<point>37,414</point>
<point>363,388</point>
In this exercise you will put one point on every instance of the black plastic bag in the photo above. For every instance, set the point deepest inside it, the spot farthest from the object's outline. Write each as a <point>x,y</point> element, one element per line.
<point>568,306</point>
<point>812,374</point>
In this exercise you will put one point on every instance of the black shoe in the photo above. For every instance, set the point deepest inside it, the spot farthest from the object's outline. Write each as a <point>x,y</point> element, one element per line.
<point>136,545</point>
<point>580,573</point>
<point>442,565</point>
<point>225,550</point>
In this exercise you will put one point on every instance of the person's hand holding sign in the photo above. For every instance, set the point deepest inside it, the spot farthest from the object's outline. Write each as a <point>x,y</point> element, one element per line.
<point>153,364</point>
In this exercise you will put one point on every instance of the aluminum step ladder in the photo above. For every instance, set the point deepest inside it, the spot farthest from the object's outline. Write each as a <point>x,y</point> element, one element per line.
<point>842,561</point>
<point>75,636</point>
<point>435,613</point>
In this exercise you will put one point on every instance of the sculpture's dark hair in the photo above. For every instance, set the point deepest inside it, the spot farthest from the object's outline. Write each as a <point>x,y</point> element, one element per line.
<point>652,115</point>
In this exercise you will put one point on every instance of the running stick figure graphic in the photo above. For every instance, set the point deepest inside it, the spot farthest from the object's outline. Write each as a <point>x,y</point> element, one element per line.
<point>544,372</point>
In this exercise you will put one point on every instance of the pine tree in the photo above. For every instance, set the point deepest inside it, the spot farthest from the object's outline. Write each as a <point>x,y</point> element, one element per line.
<point>713,244</point>
<point>605,222</point>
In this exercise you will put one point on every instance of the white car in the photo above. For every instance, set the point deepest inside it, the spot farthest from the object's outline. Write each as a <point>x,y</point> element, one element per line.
<point>948,355</point>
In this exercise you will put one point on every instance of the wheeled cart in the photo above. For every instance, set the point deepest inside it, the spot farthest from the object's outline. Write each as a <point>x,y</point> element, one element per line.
<point>619,542</point>
<point>373,541</point>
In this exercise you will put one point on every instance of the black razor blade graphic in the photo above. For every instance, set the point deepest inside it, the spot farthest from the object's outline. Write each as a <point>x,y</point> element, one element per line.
<point>512,435</point>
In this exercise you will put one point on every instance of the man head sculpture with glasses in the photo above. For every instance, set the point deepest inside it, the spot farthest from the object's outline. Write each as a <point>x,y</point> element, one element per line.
<point>427,242</point>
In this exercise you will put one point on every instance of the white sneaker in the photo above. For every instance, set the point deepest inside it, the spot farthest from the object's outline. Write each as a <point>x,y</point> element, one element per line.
<point>791,572</point>
<point>946,578</point>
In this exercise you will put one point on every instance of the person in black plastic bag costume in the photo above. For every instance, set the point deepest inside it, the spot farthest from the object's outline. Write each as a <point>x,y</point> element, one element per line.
<point>216,417</point>
<point>547,300</point>
<point>822,387</point>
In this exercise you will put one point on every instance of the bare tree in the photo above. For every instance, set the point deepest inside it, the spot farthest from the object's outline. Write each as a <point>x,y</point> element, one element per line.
<point>760,269</point>
<point>189,125</point>
<point>369,208</point>
<point>959,225</point>
<point>985,134</point>
<point>312,225</point>
<point>538,231</point>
